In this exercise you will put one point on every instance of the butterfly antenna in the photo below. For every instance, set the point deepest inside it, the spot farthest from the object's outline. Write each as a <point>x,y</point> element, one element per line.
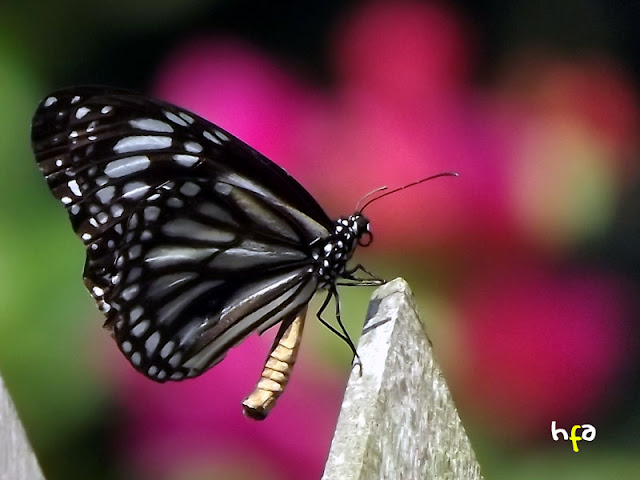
<point>412,184</point>
<point>379,189</point>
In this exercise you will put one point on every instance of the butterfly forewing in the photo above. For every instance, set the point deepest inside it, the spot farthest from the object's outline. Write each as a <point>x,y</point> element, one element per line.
<point>194,240</point>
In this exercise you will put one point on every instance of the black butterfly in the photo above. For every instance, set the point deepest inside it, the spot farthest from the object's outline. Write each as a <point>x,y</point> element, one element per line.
<point>194,240</point>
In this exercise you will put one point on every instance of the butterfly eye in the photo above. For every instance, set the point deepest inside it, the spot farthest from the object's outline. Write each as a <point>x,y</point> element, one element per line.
<point>366,239</point>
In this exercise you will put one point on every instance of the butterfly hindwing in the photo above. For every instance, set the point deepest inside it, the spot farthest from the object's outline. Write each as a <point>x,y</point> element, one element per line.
<point>194,239</point>
<point>199,278</point>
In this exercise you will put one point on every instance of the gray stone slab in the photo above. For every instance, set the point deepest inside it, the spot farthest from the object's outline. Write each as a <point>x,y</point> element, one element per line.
<point>17,460</point>
<point>398,420</point>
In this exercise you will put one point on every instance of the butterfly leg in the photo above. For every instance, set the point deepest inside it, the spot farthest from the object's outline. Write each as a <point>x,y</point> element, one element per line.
<point>344,335</point>
<point>349,275</point>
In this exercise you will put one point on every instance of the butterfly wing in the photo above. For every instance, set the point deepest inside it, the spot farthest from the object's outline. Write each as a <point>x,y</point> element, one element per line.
<point>194,240</point>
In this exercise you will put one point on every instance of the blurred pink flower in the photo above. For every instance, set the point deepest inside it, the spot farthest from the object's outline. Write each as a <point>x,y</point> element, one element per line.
<point>237,88</point>
<point>403,111</point>
<point>406,52</point>
<point>368,133</point>
<point>537,346</point>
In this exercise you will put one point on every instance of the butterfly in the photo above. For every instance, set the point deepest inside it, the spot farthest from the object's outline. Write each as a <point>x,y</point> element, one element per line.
<point>194,240</point>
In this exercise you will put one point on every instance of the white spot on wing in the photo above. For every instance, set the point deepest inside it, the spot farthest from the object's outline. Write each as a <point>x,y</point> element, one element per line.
<point>186,160</point>
<point>152,343</point>
<point>127,166</point>
<point>130,292</point>
<point>167,255</point>
<point>136,358</point>
<point>136,313</point>
<point>193,147</point>
<point>223,188</point>
<point>151,213</point>
<point>190,189</point>
<point>106,109</point>
<point>221,136</point>
<point>140,328</point>
<point>134,252</point>
<point>50,101</point>
<point>117,210</point>
<point>211,137</point>
<point>175,202</point>
<point>174,361</point>
<point>102,217</point>
<point>175,118</point>
<point>187,118</point>
<point>141,142</point>
<point>167,349</point>
<point>135,190</point>
<point>106,194</point>
<point>75,189</point>
<point>81,112</point>
<point>151,125</point>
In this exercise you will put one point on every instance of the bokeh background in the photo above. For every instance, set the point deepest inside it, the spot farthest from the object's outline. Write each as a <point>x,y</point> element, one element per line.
<point>526,267</point>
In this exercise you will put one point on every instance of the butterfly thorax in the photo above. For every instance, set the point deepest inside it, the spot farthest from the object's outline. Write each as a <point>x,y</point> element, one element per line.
<point>332,253</point>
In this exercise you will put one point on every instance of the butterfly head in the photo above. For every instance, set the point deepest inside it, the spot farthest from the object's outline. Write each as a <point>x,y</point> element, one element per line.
<point>359,226</point>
